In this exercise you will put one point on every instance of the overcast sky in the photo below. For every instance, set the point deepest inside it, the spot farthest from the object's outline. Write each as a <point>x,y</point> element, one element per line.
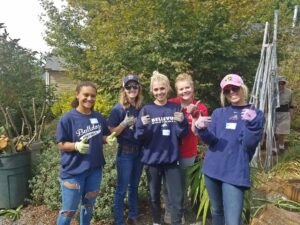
<point>21,18</point>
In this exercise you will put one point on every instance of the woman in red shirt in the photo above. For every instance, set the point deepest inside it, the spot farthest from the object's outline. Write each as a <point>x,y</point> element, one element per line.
<point>188,147</point>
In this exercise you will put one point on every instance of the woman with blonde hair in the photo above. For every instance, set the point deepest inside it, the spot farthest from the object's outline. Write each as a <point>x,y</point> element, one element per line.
<point>159,126</point>
<point>128,160</point>
<point>232,133</point>
<point>188,144</point>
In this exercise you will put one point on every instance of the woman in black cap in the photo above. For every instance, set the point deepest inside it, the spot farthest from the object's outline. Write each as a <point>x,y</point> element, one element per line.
<point>129,167</point>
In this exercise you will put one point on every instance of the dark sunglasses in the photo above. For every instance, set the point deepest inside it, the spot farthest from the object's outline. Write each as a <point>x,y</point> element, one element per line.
<point>231,88</point>
<point>134,86</point>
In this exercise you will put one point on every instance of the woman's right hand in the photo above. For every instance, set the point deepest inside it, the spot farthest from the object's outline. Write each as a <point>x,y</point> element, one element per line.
<point>82,146</point>
<point>203,122</point>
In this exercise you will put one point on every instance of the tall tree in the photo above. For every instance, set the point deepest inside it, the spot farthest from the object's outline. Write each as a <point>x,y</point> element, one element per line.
<point>20,76</point>
<point>103,40</point>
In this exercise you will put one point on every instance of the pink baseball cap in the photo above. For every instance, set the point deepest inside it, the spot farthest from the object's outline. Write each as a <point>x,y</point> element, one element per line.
<point>231,79</point>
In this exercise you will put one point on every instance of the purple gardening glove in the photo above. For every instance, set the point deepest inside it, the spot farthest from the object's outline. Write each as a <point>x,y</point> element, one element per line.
<point>248,114</point>
<point>203,122</point>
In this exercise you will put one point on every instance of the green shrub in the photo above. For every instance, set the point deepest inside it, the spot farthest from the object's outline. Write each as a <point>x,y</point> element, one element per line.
<point>63,104</point>
<point>45,184</point>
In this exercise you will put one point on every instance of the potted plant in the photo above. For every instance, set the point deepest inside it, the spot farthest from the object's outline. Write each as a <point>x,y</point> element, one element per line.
<point>17,151</point>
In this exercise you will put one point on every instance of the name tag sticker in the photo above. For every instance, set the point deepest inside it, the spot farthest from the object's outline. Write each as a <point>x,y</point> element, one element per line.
<point>231,126</point>
<point>94,121</point>
<point>165,132</point>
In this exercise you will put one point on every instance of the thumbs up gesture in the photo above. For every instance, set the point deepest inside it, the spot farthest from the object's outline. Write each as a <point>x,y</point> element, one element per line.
<point>111,139</point>
<point>82,146</point>
<point>202,122</point>
<point>192,108</point>
<point>248,114</point>
<point>128,121</point>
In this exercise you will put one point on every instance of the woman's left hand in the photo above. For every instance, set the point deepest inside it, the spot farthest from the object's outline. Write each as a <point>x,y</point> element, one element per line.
<point>248,114</point>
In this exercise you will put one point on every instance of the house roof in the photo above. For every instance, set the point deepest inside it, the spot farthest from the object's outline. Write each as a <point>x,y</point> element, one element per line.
<point>54,63</point>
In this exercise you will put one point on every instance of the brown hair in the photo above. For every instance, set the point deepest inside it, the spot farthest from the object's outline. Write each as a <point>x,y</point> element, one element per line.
<point>75,101</point>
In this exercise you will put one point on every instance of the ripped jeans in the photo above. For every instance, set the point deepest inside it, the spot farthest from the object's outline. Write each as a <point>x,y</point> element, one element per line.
<point>80,188</point>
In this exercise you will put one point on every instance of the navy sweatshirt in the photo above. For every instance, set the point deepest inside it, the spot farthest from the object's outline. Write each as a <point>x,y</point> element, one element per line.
<point>160,138</point>
<point>232,143</point>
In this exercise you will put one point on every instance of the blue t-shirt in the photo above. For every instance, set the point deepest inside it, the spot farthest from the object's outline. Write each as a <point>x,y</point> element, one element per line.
<point>160,138</point>
<point>71,127</point>
<point>232,143</point>
<point>116,116</point>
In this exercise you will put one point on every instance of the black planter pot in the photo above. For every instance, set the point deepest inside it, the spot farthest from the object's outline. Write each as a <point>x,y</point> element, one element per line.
<point>14,175</point>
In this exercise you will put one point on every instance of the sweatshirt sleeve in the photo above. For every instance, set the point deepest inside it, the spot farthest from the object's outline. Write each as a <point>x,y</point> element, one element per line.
<point>182,128</point>
<point>252,133</point>
<point>140,129</point>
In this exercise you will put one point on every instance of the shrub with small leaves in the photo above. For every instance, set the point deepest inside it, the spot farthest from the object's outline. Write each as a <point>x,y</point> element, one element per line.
<point>45,183</point>
<point>63,103</point>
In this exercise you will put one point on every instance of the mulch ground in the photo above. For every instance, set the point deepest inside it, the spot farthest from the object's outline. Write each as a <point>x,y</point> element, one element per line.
<point>42,215</point>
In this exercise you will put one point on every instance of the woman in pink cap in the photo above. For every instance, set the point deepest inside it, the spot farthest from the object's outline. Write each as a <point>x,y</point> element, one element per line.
<point>232,133</point>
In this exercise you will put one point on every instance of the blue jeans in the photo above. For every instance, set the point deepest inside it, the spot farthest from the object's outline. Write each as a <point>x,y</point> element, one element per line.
<point>129,170</point>
<point>226,202</point>
<point>184,163</point>
<point>84,188</point>
<point>171,173</point>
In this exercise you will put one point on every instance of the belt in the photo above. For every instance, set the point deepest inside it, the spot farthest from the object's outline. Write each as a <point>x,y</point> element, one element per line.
<point>129,149</point>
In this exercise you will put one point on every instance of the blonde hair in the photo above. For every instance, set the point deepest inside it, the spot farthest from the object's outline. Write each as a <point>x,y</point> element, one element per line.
<point>244,90</point>
<point>159,77</point>
<point>124,101</point>
<point>184,77</point>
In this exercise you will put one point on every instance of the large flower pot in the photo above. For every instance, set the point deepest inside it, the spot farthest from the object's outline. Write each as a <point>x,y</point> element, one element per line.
<point>14,176</point>
<point>35,150</point>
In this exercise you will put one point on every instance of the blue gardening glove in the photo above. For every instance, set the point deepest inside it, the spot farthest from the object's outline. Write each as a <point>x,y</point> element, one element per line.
<point>248,114</point>
<point>82,146</point>
<point>111,139</point>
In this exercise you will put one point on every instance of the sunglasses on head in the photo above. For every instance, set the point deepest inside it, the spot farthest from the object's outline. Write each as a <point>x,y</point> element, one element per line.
<point>227,90</point>
<point>129,86</point>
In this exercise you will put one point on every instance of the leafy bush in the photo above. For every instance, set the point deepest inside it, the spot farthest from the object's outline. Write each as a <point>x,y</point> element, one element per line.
<point>45,184</point>
<point>63,104</point>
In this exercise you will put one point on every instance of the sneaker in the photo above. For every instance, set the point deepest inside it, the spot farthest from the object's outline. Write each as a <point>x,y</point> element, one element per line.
<point>131,221</point>
<point>167,217</point>
<point>274,151</point>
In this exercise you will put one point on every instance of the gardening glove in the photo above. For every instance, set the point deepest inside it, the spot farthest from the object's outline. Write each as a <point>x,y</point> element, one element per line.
<point>111,139</point>
<point>82,146</point>
<point>192,109</point>
<point>248,114</point>
<point>202,122</point>
<point>178,116</point>
<point>145,120</point>
<point>128,121</point>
